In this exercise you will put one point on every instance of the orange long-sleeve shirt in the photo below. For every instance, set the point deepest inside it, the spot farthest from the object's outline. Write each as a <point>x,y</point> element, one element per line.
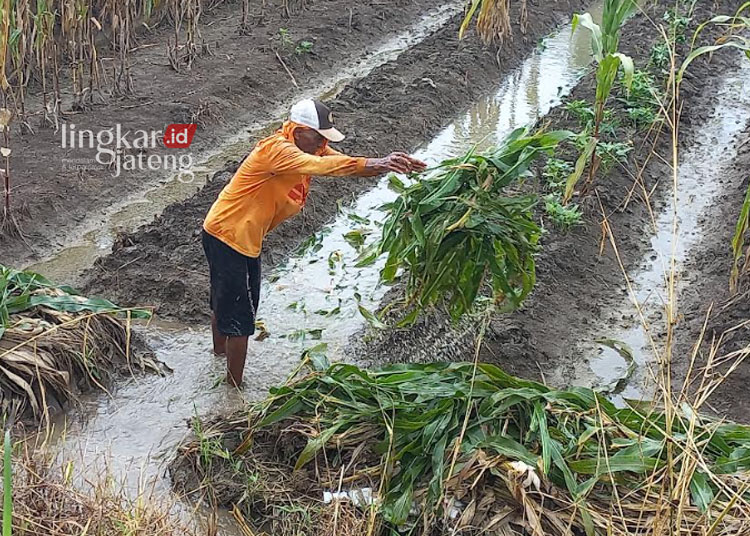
<point>270,186</point>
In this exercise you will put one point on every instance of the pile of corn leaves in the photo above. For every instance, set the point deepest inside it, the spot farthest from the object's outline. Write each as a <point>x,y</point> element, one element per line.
<point>22,291</point>
<point>562,458</point>
<point>456,227</point>
<point>54,341</point>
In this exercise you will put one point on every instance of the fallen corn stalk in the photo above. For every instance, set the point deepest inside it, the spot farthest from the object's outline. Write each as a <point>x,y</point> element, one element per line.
<point>457,228</point>
<point>55,343</point>
<point>533,460</point>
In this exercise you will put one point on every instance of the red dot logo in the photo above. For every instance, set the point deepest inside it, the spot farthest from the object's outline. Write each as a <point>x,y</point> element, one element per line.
<point>179,136</point>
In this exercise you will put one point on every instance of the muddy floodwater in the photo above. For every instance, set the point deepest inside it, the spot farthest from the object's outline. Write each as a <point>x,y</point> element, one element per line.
<point>314,299</point>
<point>635,328</point>
<point>94,236</point>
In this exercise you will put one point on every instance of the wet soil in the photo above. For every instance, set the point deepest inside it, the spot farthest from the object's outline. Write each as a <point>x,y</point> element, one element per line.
<point>241,81</point>
<point>577,281</point>
<point>707,297</point>
<point>396,107</point>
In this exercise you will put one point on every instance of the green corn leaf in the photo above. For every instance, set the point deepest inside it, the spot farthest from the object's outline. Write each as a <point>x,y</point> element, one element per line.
<point>318,357</point>
<point>580,166</point>
<point>290,407</point>
<point>734,42</point>
<point>701,492</point>
<point>616,464</point>
<point>738,240</point>
<point>315,444</point>
<point>628,68</point>
<point>587,22</point>
<point>373,320</point>
<point>467,19</point>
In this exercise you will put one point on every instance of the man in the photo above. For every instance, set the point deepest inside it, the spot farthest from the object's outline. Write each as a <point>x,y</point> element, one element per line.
<point>270,186</point>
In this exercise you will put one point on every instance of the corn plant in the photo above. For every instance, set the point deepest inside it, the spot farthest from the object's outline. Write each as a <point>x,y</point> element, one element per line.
<point>245,21</point>
<point>605,40</point>
<point>738,244</point>
<point>8,225</point>
<point>121,15</point>
<point>44,49</point>
<point>493,20</point>
<point>5,30</point>
<point>18,51</point>
<point>80,28</point>
<point>731,38</point>
<point>456,228</point>
<point>193,11</point>
<point>186,13</point>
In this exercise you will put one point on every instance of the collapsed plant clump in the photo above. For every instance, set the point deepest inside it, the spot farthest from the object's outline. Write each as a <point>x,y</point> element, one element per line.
<point>450,448</point>
<point>55,343</point>
<point>457,228</point>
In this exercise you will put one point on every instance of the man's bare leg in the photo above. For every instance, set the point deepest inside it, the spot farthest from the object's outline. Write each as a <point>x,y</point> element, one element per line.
<point>220,341</point>
<point>236,354</point>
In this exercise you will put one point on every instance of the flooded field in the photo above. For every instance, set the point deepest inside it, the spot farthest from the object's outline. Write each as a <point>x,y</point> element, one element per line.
<point>314,298</point>
<point>541,415</point>
<point>95,236</point>
<point>637,326</point>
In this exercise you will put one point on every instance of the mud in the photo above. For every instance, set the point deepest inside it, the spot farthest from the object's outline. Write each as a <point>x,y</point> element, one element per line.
<point>707,298</point>
<point>105,428</point>
<point>239,83</point>
<point>552,337</point>
<point>94,236</point>
<point>162,263</point>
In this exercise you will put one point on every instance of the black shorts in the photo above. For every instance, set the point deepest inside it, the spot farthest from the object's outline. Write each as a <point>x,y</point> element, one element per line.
<point>235,287</point>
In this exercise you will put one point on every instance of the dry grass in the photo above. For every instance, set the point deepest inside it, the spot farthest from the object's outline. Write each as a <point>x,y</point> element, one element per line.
<point>47,503</point>
<point>50,356</point>
<point>55,344</point>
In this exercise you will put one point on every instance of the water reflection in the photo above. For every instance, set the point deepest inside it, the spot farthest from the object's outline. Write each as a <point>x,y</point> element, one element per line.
<point>700,176</point>
<point>317,296</point>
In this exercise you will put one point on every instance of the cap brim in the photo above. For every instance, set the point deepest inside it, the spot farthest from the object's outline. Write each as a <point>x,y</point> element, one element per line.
<point>331,134</point>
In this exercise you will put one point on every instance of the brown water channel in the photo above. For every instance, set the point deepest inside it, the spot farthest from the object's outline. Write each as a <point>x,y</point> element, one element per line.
<point>310,300</point>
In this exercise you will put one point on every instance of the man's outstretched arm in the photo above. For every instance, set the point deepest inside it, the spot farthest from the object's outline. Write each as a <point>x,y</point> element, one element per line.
<point>334,163</point>
<point>397,162</point>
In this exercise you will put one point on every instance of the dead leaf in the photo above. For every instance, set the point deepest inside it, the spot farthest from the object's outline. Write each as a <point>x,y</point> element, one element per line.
<point>468,516</point>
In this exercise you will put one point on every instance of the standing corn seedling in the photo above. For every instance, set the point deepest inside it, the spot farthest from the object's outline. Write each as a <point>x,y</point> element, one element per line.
<point>605,40</point>
<point>456,229</point>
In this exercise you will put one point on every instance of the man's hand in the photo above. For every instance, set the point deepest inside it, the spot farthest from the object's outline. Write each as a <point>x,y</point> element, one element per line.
<point>415,165</point>
<point>396,162</point>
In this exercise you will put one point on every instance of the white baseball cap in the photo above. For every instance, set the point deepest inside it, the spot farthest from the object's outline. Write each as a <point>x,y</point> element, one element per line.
<point>316,115</point>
